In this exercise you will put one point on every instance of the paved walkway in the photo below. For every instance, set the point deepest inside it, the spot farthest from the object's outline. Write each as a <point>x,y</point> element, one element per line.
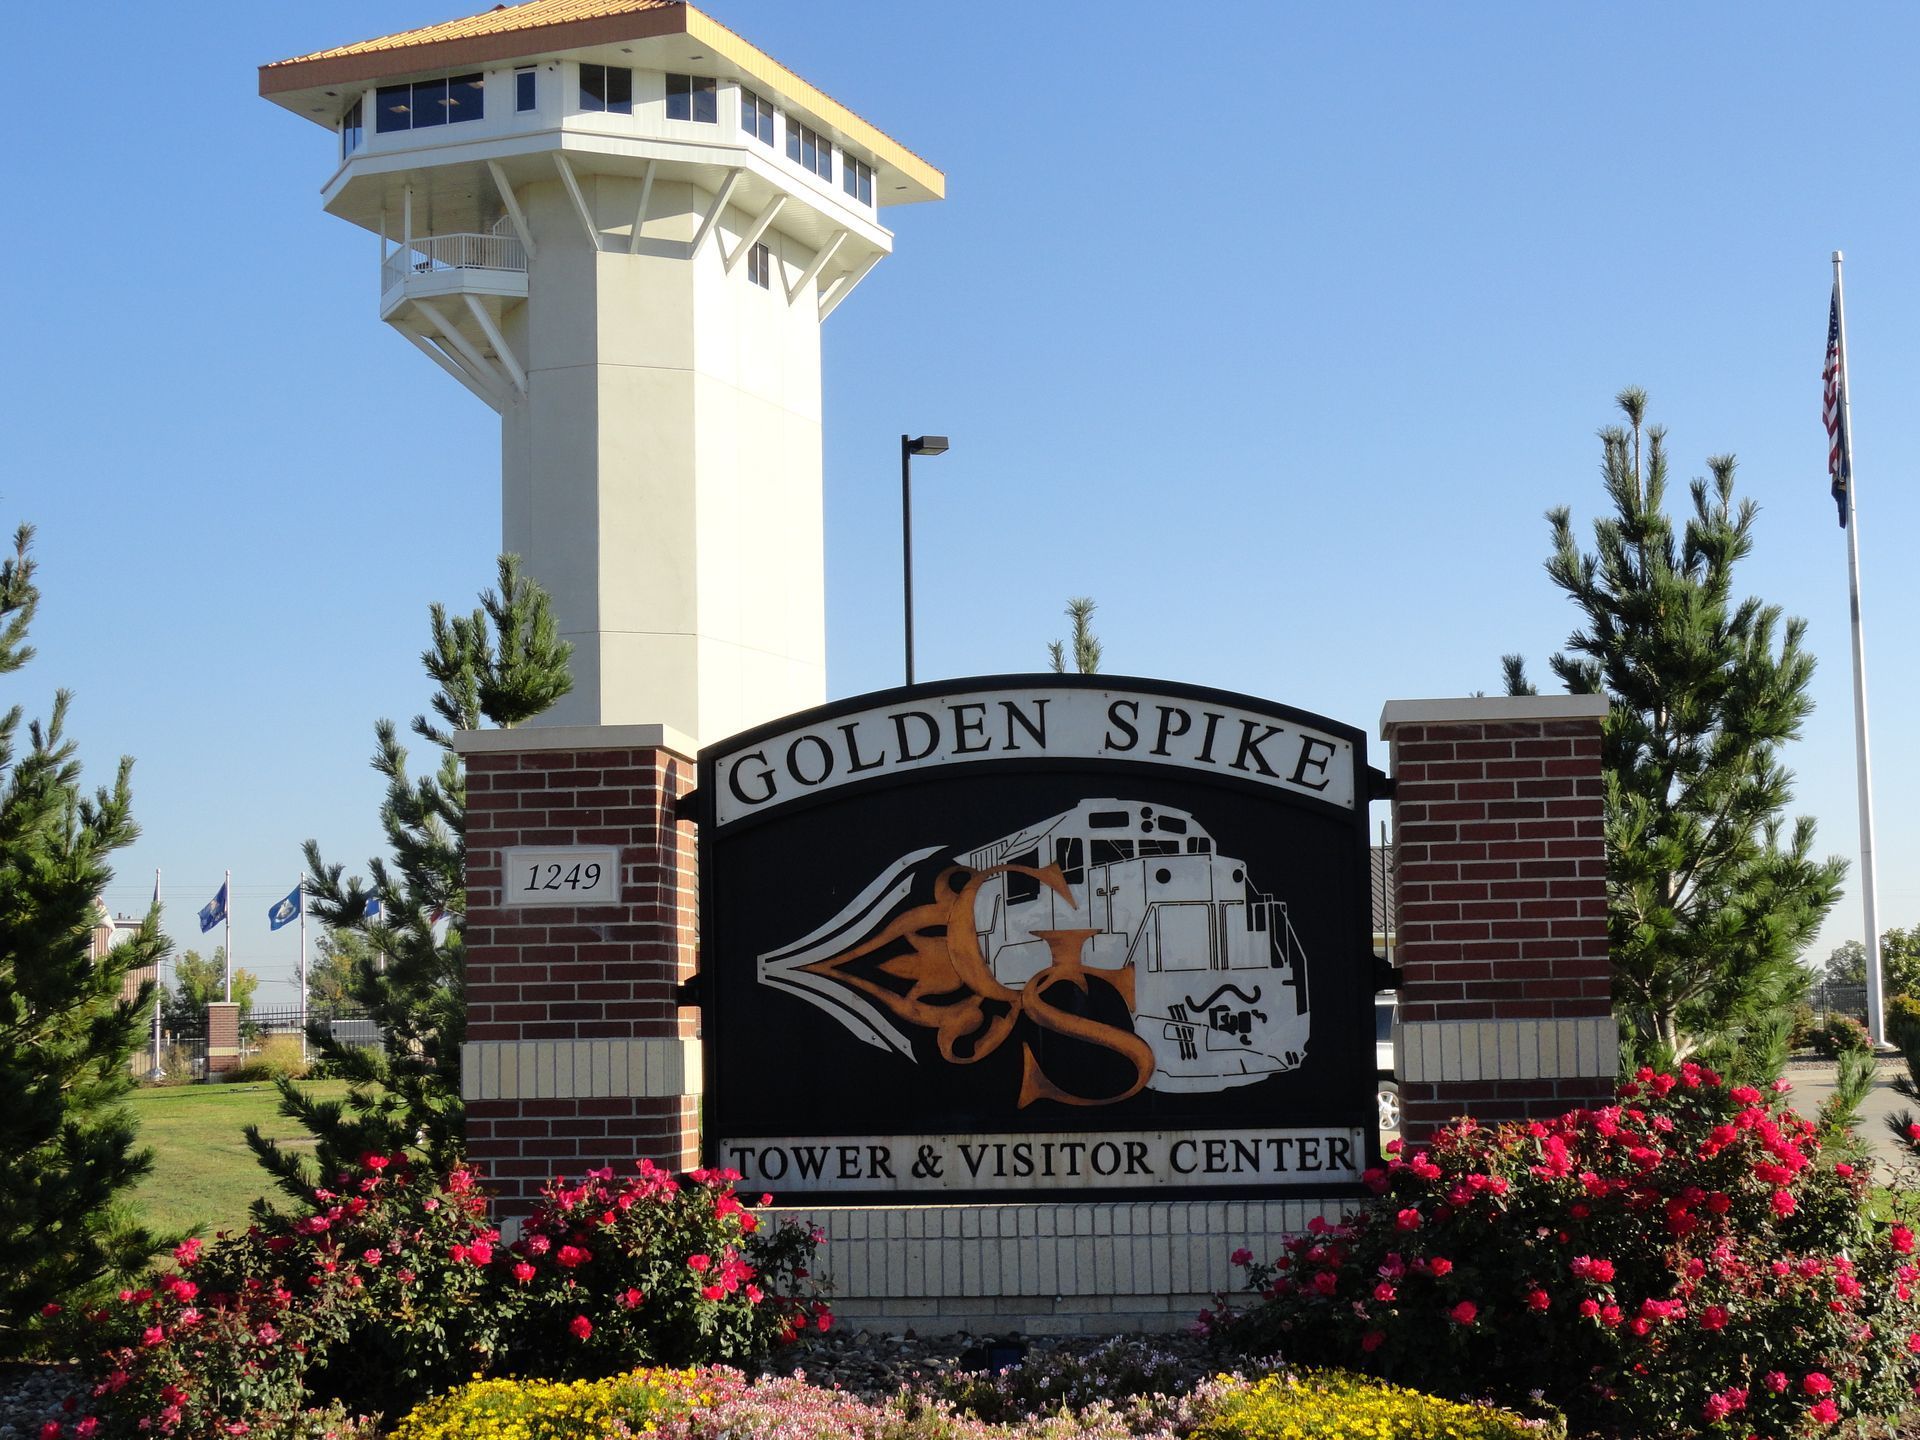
<point>1812,1084</point>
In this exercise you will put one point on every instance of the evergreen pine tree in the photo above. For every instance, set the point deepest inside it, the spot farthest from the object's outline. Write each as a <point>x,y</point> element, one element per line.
<point>1711,898</point>
<point>66,1033</point>
<point>500,665</point>
<point>1086,646</point>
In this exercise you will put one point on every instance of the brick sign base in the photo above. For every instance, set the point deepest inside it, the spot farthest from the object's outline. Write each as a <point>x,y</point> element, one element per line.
<point>578,1053</point>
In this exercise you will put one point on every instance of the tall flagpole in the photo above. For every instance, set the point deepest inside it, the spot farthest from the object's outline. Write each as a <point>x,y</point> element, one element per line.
<point>1876,1015</point>
<point>159,1072</point>
<point>300,899</point>
<point>227,890</point>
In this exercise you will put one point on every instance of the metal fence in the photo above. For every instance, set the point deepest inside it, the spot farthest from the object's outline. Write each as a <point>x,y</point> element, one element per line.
<point>349,1027</point>
<point>1829,999</point>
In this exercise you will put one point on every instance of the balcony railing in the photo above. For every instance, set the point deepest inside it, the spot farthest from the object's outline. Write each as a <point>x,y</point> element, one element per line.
<point>431,255</point>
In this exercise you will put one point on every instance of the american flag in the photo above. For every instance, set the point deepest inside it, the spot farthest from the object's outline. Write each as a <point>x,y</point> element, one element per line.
<point>1839,456</point>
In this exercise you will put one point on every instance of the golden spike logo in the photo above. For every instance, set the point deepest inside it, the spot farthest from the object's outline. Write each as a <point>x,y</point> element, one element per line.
<point>952,991</point>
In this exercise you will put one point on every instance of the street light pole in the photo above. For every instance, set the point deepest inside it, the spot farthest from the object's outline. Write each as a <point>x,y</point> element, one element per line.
<point>906,541</point>
<point>910,447</point>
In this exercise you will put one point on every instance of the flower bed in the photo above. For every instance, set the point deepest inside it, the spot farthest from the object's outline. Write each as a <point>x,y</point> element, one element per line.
<point>717,1403</point>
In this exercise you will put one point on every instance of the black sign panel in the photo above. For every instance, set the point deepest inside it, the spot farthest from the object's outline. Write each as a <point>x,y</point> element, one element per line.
<point>1038,937</point>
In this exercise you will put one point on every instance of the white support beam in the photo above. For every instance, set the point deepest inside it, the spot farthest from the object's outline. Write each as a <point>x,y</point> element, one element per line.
<point>843,285</point>
<point>752,237</point>
<point>714,211</point>
<point>450,333</point>
<point>579,200</point>
<point>514,212</point>
<point>499,343</point>
<point>640,210</point>
<point>812,272</point>
<point>445,362</point>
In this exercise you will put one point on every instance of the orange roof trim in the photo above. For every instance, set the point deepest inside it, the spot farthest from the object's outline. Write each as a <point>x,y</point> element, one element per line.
<point>509,32</point>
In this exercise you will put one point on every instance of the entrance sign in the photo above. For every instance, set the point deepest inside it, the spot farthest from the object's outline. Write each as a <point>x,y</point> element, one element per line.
<point>1038,936</point>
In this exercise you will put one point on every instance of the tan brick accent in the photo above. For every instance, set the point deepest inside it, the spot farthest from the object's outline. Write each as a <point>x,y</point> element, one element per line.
<point>546,986</point>
<point>1501,907</point>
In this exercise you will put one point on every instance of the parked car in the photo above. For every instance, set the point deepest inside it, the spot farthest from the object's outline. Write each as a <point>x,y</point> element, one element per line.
<point>1385,1004</point>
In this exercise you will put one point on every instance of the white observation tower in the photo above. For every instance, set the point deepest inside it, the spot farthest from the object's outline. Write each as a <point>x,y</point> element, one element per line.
<point>621,226</point>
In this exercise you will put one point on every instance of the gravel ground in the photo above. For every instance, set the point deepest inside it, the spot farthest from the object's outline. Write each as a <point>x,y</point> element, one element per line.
<point>31,1395</point>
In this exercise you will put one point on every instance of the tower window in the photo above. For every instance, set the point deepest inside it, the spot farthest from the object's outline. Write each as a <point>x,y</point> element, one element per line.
<point>760,267</point>
<point>813,152</point>
<point>693,97</point>
<point>429,102</point>
<point>524,95</point>
<point>352,131</point>
<point>606,88</point>
<point>856,178</point>
<point>756,116</point>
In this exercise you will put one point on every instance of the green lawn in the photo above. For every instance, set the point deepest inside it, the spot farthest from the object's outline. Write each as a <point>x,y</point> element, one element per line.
<point>203,1173</point>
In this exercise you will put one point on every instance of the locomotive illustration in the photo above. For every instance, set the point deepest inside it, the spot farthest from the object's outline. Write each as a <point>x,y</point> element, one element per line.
<point>1210,964</point>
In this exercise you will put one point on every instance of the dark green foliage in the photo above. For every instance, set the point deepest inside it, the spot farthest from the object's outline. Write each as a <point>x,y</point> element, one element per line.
<point>1711,896</point>
<point>1840,1035</point>
<point>1086,645</point>
<point>500,665</point>
<point>65,1032</point>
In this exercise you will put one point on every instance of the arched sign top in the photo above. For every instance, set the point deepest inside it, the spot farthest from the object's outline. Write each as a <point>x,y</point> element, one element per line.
<point>1035,718</point>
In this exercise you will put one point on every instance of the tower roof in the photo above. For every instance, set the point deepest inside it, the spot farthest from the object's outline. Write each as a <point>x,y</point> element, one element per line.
<point>545,27</point>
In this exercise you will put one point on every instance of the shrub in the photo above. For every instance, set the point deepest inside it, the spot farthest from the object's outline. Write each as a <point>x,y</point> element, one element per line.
<point>278,1055</point>
<point>1841,1033</point>
<point>391,1285</point>
<point>546,1408</point>
<point>1800,1026</point>
<point>657,1270</point>
<point>1330,1403</point>
<point>371,1297</point>
<point>1674,1264</point>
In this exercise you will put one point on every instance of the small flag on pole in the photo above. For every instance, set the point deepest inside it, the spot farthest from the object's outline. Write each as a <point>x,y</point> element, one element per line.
<point>286,911</point>
<point>374,910</point>
<point>214,911</point>
<point>1833,410</point>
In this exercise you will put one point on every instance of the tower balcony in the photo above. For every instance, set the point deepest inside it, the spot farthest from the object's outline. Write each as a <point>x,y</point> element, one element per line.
<point>434,266</point>
<point>447,294</point>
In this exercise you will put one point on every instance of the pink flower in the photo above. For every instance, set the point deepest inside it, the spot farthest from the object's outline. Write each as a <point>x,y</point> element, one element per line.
<point>522,1272</point>
<point>1464,1313</point>
<point>480,1252</point>
<point>713,1292</point>
<point>630,1298</point>
<point>1714,1318</point>
<point>1775,1381</point>
<point>1408,1219</point>
<point>1902,1240</point>
<point>1825,1411</point>
<point>1373,1340</point>
<point>1817,1384</point>
<point>187,1251</point>
<point>1537,1299</point>
<point>572,1255</point>
<point>580,1326</point>
<point>50,1430</point>
<point>372,1257</point>
<point>1439,1266</point>
<point>1784,1203</point>
<point>1600,1272</point>
<point>699,1263</point>
<point>1242,1256</point>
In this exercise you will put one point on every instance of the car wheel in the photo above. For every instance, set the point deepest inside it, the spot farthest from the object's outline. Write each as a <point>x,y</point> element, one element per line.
<point>1389,1101</point>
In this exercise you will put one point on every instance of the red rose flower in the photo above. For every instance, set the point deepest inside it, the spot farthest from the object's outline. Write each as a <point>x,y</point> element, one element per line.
<point>581,1327</point>
<point>1464,1313</point>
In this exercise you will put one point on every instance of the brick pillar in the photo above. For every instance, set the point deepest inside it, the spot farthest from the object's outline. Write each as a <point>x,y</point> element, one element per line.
<point>577,1054</point>
<point>1501,896</point>
<point>223,1036</point>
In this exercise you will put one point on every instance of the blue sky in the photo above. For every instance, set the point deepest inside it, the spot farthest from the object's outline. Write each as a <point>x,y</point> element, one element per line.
<point>1275,328</point>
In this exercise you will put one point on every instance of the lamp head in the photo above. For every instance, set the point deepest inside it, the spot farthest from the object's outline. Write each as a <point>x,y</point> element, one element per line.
<point>928,445</point>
